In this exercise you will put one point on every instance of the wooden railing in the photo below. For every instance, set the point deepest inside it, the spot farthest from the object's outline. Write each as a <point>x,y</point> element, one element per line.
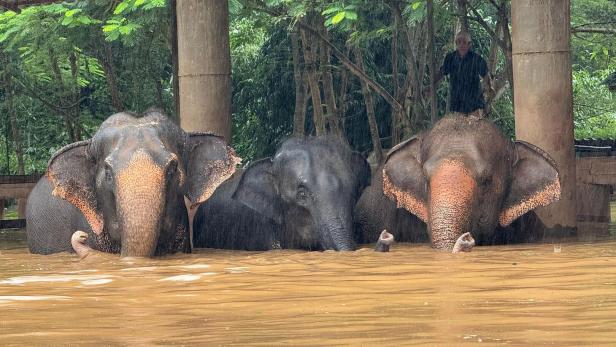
<point>16,187</point>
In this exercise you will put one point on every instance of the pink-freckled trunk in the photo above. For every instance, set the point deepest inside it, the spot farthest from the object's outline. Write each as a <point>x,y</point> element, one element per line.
<point>140,195</point>
<point>141,228</point>
<point>451,192</point>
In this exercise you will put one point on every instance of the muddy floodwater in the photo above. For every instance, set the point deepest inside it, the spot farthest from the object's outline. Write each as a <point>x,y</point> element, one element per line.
<point>522,295</point>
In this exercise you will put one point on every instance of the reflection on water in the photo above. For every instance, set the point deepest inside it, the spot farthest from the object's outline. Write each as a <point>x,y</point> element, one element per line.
<point>517,295</point>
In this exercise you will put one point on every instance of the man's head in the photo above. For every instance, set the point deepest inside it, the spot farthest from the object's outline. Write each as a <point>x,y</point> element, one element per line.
<point>463,42</point>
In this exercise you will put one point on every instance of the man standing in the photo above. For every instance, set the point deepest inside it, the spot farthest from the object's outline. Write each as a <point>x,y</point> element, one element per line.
<point>464,68</point>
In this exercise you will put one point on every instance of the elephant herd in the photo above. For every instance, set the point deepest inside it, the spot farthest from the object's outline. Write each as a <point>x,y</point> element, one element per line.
<point>141,186</point>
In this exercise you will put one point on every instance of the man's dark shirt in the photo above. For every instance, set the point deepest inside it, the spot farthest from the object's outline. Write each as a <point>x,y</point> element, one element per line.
<point>464,86</point>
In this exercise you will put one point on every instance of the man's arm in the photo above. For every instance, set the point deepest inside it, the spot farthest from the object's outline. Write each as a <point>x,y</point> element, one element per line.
<point>486,78</point>
<point>443,70</point>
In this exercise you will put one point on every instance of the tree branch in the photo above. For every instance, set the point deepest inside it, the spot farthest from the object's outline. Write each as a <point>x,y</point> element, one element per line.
<point>359,73</point>
<point>594,30</point>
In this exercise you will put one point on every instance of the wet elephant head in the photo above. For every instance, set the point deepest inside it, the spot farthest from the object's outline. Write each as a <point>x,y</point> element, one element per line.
<point>309,187</point>
<point>464,175</point>
<point>130,179</point>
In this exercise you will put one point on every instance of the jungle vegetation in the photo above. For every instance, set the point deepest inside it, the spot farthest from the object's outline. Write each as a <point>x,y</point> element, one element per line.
<point>357,68</point>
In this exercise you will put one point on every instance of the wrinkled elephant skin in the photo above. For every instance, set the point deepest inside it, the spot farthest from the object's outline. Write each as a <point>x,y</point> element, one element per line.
<point>302,197</point>
<point>463,175</point>
<point>126,188</point>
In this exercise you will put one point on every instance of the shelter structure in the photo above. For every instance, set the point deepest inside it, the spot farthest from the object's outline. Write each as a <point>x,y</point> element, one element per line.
<point>204,66</point>
<point>543,100</point>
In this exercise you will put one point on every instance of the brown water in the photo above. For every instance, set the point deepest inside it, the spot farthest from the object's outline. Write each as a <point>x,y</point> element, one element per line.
<point>524,295</point>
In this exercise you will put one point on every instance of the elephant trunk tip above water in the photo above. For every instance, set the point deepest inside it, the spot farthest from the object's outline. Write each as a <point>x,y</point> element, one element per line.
<point>464,174</point>
<point>126,187</point>
<point>78,242</point>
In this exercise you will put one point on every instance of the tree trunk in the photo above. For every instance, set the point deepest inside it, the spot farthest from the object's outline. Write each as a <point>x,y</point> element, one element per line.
<point>403,122</point>
<point>430,24</point>
<point>60,89</point>
<point>75,110</point>
<point>462,14</point>
<point>507,49</point>
<point>394,75</point>
<point>374,128</point>
<point>359,73</point>
<point>160,103</point>
<point>299,116</point>
<point>328,83</point>
<point>311,71</point>
<point>342,95</point>
<point>10,108</point>
<point>106,58</point>
<point>7,150</point>
<point>174,60</point>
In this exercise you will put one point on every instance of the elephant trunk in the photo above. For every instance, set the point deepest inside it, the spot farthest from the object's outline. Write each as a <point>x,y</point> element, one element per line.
<point>141,192</point>
<point>78,242</point>
<point>335,231</point>
<point>452,188</point>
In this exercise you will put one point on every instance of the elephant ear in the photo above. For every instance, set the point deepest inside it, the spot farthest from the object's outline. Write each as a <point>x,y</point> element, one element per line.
<point>258,190</point>
<point>535,182</point>
<point>361,170</point>
<point>403,178</point>
<point>70,173</point>
<point>209,161</point>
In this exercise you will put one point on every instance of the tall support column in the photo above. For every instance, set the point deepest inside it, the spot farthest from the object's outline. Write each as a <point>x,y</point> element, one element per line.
<point>543,94</point>
<point>204,66</point>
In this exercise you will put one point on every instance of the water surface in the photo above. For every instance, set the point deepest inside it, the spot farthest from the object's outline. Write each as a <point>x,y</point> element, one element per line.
<point>524,295</point>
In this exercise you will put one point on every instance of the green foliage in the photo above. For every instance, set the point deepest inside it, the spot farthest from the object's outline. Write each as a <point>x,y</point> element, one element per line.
<point>337,14</point>
<point>263,86</point>
<point>41,47</point>
<point>594,106</point>
<point>54,55</point>
<point>128,17</point>
<point>593,60</point>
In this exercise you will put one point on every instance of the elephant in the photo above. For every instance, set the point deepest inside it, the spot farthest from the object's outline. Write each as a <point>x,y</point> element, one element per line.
<point>463,175</point>
<point>127,187</point>
<point>301,198</point>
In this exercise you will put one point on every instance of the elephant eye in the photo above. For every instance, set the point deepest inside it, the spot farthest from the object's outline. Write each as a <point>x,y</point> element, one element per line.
<point>172,168</point>
<point>302,193</point>
<point>108,173</point>
<point>485,180</point>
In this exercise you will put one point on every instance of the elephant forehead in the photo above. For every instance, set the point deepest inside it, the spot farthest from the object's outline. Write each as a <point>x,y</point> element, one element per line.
<point>450,174</point>
<point>475,158</point>
<point>141,171</point>
<point>129,151</point>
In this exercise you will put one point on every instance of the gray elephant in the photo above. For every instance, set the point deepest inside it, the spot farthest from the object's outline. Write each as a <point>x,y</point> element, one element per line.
<point>461,176</point>
<point>302,197</point>
<point>126,187</point>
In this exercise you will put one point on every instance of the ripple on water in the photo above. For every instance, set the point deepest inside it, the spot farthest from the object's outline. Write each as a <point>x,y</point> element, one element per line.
<point>182,278</point>
<point>523,295</point>
<point>21,280</point>
<point>12,298</point>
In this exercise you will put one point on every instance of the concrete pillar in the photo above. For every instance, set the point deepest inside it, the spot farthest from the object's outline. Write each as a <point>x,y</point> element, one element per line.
<point>543,94</point>
<point>204,66</point>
